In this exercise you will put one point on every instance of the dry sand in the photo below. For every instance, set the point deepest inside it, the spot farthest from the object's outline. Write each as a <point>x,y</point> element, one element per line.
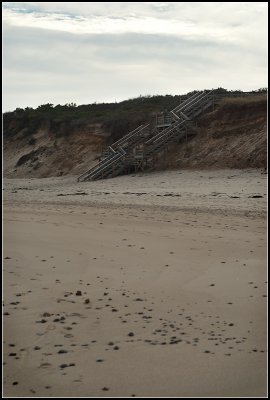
<point>151,285</point>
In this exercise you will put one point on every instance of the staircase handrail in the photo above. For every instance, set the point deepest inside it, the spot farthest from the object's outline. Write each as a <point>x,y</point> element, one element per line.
<point>191,101</point>
<point>198,100</point>
<point>137,134</point>
<point>202,108</point>
<point>174,116</point>
<point>104,162</point>
<point>127,136</point>
<point>111,149</point>
<point>112,161</point>
<point>184,116</point>
<point>162,132</point>
<point>171,130</point>
<point>97,168</point>
<point>155,146</point>
<point>186,101</point>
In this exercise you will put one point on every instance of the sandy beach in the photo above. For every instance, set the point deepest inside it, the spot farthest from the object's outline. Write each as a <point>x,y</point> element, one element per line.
<point>143,285</point>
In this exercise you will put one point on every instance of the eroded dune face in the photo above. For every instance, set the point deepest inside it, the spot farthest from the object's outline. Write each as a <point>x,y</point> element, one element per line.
<point>46,153</point>
<point>231,136</point>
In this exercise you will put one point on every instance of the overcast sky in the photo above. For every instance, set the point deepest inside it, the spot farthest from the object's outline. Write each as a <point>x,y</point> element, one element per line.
<point>104,52</point>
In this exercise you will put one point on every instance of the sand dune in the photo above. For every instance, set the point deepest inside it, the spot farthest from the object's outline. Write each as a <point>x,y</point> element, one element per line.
<point>149,285</point>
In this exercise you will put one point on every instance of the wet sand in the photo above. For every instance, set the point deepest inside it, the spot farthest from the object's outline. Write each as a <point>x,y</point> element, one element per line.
<point>136,287</point>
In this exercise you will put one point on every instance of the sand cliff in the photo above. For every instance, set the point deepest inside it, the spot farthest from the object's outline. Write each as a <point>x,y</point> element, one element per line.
<point>231,136</point>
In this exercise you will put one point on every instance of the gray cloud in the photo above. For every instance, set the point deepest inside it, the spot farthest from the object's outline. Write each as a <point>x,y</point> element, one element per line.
<point>44,65</point>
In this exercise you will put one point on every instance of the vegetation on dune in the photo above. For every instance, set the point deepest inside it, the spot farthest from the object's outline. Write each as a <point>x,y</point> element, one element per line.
<point>116,118</point>
<point>240,101</point>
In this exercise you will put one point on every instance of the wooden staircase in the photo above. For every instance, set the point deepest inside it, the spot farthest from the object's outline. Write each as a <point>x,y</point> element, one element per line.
<point>139,148</point>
